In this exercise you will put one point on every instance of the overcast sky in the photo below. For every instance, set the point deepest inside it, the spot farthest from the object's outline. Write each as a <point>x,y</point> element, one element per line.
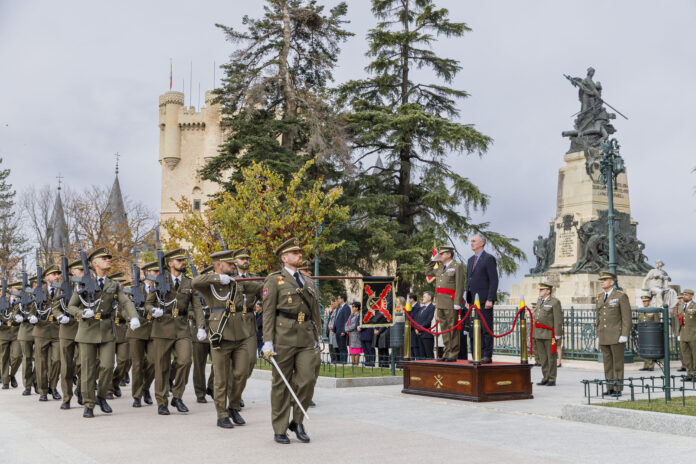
<point>80,81</point>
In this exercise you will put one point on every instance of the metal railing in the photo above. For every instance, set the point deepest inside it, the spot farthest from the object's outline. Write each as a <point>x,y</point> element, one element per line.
<point>650,388</point>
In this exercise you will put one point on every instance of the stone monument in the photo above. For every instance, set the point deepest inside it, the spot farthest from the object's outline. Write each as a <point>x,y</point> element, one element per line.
<point>576,247</point>
<point>655,285</point>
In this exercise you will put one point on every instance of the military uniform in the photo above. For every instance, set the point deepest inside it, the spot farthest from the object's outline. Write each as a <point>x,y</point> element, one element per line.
<point>236,336</point>
<point>201,351</point>
<point>10,350</point>
<point>548,328</point>
<point>141,349</point>
<point>96,336</point>
<point>47,344</point>
<point>123,362</point>
<point>450,284</point>
<point>686,314</point>
<point>170,333</point>
<point>25,336</point>
<point>290,318</point>
<point>613,321</point>
<point>648,364</point>
<point>69,351</point>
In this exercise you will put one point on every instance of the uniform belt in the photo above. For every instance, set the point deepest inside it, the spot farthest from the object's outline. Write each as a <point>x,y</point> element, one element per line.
<point>294,316</point>
<point>238,309</point>
<point>445,291</point>
<point>180,313</point>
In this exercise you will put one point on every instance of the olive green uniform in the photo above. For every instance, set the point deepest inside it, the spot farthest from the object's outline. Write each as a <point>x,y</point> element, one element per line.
<point>25,336</point>
<point>687,335</point>
<point>548,313</point>
<point>96,337</point>
<point>142,351</point>
<point>251,293</point>
<point>648,317</point>
<point>123,361</point>
<point>201,350</point>
<point>450,284</point>
<point>613,321</point>
<point>238,333</point>
<point>46,346</point>
<point>69,350</point>
<point>290,325</point>
<point>171,333</point>
<point>10,350</point>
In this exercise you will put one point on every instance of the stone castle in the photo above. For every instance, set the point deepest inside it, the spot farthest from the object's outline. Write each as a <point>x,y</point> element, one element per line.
<point>188,139</point>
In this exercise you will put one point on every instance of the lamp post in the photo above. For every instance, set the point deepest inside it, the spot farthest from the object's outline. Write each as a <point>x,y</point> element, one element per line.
<point>610,166</point>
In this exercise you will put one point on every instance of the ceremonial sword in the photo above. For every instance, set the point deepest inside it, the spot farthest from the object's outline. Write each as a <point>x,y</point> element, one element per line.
<point>287,384</point>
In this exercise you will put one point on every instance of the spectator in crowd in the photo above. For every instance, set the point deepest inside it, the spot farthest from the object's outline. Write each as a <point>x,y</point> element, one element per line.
<point>426,314</point>
<point>342,315</point>
<point>258,312</point>
<point>482,280</point>
<point>330,333</point>
<point>415,309</point>
<point>352,325</point>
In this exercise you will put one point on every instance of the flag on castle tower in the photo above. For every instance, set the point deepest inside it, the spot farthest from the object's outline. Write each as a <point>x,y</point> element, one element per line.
<point>171,74</point>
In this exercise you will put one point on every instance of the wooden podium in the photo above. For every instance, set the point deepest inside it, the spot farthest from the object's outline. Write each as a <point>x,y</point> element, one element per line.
<point>462,380</point>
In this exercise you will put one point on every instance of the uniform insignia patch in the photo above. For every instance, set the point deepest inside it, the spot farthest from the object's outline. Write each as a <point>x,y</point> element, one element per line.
<point>265,292</point>
<point>280,280</point>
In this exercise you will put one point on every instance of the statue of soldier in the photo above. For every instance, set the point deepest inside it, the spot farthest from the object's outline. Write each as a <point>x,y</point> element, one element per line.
<point>656,283</point>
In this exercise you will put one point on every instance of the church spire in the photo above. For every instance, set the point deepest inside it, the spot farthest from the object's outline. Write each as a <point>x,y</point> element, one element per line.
<point>115,208</point>
<point>58,227</point>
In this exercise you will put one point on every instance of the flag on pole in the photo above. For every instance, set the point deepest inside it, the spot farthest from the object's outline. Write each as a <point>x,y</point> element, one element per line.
<point>171,75</point>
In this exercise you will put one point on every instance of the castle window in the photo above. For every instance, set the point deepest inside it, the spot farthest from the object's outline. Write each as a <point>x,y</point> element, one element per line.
<point>196,205</point>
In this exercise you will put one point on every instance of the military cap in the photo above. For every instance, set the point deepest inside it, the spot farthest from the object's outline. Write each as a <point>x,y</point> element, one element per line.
<point>287,246</point>
<point>689,291</point>
<point>149,266</point>
<point>224,255</point>
<point>207,270</point>
<point>51,269</point>
<point>447,248</point>
<point>17,284</point>
<point>646,298</point>
<point>117,276</point>
<point>179,253</point>
<point>99,253</point>
<point>77,264</point>
<point>544,285</point>
<point>32,278</point>
<point>242,253</point>
<point>680,295</point>
<point>607,275</point>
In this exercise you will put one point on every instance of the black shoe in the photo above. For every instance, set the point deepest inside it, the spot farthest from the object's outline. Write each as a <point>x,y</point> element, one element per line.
<point>163,410</point>
<point>209,391</point>
<point>179,405</point>
<point>109,396</point>
<point>126,379</point>
<point>36,389</point>
<point>122,383</point>
<point>236,417</point>
<point>225,423</point>
<point>117,391</point>
<point>136,403</point>
<point>280,438</point>
<point>56,395</point>
<point>650,369</point>
<point>13,381</point>
<point>486,361</point>
<point>50,391</point>
<point>241,403</point>
<point>74,380</point>
<point>89,412</point>
<point>299,431</point>
<point>103,405</point>
<point>65,405</point>
<point>312,404</point>
<point>146,397</point>
<point>682,369</point>
<point>543,382</point>
<point>26,392</point>
<point>616,394</point>
<point>78,393</point>
<point>43,398</point>
<point>201,399</point>
<point>551,384</point>
<point>608,393</point>
<point>5,386</point>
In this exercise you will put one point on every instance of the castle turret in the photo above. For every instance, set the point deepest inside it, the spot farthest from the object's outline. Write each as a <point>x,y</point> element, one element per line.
<point>170,105</point>
<point>116,219</point>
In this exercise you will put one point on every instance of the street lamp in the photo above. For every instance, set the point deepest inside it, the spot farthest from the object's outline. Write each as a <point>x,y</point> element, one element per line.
<point>610,166</point>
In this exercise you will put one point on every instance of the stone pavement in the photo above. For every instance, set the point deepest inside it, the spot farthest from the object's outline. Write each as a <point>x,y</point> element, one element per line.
<point>365,424</point>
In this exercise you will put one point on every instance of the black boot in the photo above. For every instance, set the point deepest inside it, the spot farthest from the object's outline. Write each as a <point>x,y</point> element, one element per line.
<point>179,405</point>
<point>236,417</point>
<point>65,405</point>
<point>299,431</point>
<point>209,391</point>
<point>225,423</point>
<point>78,393</point>
<point>281,438</point>
<point>89,412</point>
<point>163,410</point>
<point>136,403</point>
<point>26,392</point>
<point>201,399</point>
<point>43,398</point>
<point>103,405</point>
<point>126,379</point>
<point>13,381</point>
<point>146,397</point>
<point>117,391</point>
<point>56,395</point>
<point>241,403</point>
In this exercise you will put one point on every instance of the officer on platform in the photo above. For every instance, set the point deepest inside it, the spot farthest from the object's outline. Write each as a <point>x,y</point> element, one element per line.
<point>548,330</point>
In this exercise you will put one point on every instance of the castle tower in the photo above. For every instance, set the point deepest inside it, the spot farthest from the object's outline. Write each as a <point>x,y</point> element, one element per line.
<point>116,226</point>
<point>188,140</point>
<point>57,233</point>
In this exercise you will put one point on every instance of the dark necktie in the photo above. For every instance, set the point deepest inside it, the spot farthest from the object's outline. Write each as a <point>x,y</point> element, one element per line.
<point>101,283</point>
<point>605,297</point>
<point>176,283</point>
<point>53,292</point>
<point>473,266</point>
<point>298,279</point>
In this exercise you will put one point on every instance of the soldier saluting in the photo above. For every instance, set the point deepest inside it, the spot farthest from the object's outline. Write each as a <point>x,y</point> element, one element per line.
<point>548,329</point>
<point>95,332</point>
<point>290,312</point>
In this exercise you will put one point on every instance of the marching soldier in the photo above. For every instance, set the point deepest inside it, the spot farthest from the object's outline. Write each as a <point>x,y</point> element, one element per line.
<point>10,350</point>
<point>95,332</point>
<point>170,331</point>
<point>201,351</point>
<point>648,364</point>
<point>232,329</point>
<point>613,327</point>
<point>69,351</point>
<point>450,283</point>
<point>548,329</point>
<point>46,339</point>
<point>25,335</point>
<point>306,272</point>
<point>123,362</point>
<point>290,312</point>
<point>140,344</point>
<point>687,333</point>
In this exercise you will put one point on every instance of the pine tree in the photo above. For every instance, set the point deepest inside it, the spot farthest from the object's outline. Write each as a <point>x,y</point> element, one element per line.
<point>13,245</point>
<point>399,208</point>
<point>274,100</point>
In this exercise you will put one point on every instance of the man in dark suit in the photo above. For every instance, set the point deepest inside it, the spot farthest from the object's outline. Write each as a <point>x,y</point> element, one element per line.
<point>415,309</point>
<point>342,315</point>
<point>425,320</point>
<point>482,280</point>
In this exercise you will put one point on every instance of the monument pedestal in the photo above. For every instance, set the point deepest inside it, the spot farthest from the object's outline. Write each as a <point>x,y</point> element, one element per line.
<point>462,380</point>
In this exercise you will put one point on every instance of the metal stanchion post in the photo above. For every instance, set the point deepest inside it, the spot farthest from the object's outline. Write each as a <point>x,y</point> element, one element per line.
<point>523,333</point>
<point>476,349</point>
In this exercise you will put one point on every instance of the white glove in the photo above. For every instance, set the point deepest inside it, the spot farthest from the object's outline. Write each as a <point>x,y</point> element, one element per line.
<point>225,279</point>
<point>201,335</point>
<point>457,307</point>
<point>134,323</point>
<point>678,337</point>
<point>19,318</point>
<point>33,320</point>
<point>87,314</point>
<point>623,339</point>
<point>63,319</point>
<point>267,350</point>
<point>157,312</point>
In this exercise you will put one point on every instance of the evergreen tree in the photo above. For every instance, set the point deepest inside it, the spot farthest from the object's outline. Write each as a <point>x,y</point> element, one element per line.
<point>273,95</point>
<point>399,208</point>
<point>13,245</point>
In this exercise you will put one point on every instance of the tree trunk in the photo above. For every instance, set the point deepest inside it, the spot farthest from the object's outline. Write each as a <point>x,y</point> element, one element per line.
<point>287,139</point>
